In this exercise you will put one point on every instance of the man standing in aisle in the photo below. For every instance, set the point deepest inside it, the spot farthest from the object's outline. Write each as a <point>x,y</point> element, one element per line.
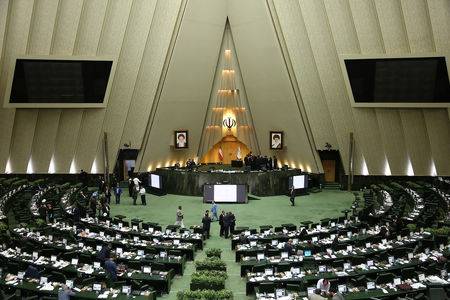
<point>214,211</point>
<point>206,221</point>
<point>227,224</point>
<point>117,193</point>
<point>292,195</point>
<point>179,217</point>
<point>142,193</point>
<point>221,223</point>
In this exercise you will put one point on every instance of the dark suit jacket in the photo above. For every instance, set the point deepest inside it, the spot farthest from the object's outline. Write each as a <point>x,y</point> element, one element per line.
<point>206,221</point>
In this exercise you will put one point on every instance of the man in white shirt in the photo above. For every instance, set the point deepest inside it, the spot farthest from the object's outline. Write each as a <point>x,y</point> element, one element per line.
<point>324,285</point>
<point>136,181</point>
<point>142,193</point>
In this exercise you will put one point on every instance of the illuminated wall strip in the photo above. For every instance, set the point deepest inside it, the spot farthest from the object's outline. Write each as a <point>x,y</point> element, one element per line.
<point>409,168</point>
<point>387,168</point>
<point>30,166</point>
<point>364,169</point>
<point>8,167</point>
<point>73,168</point>
<point>51,166</point>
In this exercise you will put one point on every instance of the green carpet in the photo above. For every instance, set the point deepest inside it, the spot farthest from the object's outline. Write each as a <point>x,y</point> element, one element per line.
<point>267,210</point>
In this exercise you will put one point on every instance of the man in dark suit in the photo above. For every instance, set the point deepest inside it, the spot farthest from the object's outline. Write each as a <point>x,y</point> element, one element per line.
<point>206,221</point>
<point>288,247</point>
<point>226,224</point>
<point>222,228</point>
<point>292,195</point>
<point>232,222</point>
<point>104,253</point>
<point>111,268</point>
<point>275,162</point>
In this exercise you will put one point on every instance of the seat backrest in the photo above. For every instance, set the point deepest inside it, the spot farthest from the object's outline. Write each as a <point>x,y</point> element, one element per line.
<point>267,287</point>
<point>435,293</point>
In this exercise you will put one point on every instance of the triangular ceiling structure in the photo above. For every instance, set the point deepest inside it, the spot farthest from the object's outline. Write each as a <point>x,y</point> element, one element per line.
<point>228,100</point>
<point>197,69</point>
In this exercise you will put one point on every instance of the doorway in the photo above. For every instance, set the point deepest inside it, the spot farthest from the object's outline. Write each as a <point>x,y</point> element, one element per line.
<point>332,166</point>
<point>329,169</point>
<point>126,162</point>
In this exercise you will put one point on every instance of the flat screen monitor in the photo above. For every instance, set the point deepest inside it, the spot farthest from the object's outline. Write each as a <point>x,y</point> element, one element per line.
<point>399,80</point>
<point>298,181</point>
<point>307,253</point>
<point>225,193</point>
<point>60,81</point>
<point>155,181</point>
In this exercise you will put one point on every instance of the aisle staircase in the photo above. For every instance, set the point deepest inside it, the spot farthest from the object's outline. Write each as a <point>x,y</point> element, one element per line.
<point>234,281</point>
<point>332,186</point>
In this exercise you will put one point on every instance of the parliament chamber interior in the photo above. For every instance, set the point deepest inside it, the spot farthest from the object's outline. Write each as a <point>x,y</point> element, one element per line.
<point>224,149</point>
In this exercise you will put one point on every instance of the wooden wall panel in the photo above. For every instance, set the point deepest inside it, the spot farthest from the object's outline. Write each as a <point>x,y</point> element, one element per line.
<point>438,128</point>
<point>44,139</point>
<point>366,132</point>
<point>64,38</point>
<point>129,63</point>
<point>324,48</point>
<point>392,28</point>
<point>310,85</point>
<point>393,140</point>
<point>370,42</point>
<point>22,139</point>
<point>4,120</point>
<point>147,80</point>
<point>66,139</point>
<point>416,140</point>
<point>87,43</point>
<point>418,26</point>
<point>16,38</point>
<point>420,40</point>
<point>39,43</point>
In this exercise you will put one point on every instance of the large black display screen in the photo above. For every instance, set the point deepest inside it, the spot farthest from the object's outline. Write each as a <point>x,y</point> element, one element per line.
<point>399,80</point>
<point>60,81</point>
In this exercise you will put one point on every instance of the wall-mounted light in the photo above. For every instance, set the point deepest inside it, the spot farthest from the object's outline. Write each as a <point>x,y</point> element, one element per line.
<point>364,169</point>
<point>73,168</point>
<point>387,168</point>
<point>8,167</point>
<point>433,168</point>
<point>409,168</point>
<point>51,166</point>
<point>94,167</point>
<point>30,166</point>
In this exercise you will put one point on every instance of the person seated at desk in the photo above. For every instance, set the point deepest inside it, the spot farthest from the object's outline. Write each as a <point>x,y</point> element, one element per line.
<point>316,295</point>
<point>289,247</point>
<point>111,268</point>
<point>104,253</point>
<point>177,165</point>
<point>324,286</point>
<point>43,210</point>
<point>243,239</point>
<point>32,272</point>
<point>65,292</point>
<point>384,232</point>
